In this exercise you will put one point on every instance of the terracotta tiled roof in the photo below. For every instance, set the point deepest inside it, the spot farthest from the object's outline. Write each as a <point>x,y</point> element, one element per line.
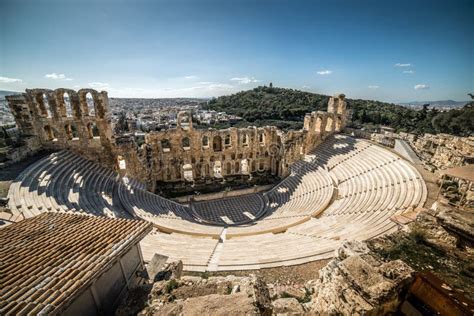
<point>47,260</point>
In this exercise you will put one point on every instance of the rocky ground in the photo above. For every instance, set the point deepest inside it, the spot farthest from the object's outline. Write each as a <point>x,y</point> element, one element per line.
<point>279,280</point>
<point>364,278</point>
<point>440,241</point>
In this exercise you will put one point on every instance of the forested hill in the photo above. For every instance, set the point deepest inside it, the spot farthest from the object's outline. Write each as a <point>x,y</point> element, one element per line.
<point>286,108</point>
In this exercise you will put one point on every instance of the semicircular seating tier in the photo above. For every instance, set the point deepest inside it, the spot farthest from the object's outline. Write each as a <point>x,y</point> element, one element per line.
<point>347,189</point>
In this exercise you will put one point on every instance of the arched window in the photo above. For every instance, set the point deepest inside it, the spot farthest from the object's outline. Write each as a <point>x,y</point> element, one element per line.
<point>245,140</point>
<point>228,168</point>
<point>68,128</point>
<point>261,166</point>
<point>49,132</point>
<point>186,143</point>
<point>338,124</point>
<point>92,130</point>
<point>329,124</point>
<point>261,138</point>
<point>188,172</point>
<point>47,107</point>
<point>90,104</point>
<point>217,169</point>
<point>254,166</point>
<point>318,125</point>
<point>236,167</point>
<point>227,140</point>
<point>217,143</point>
<point>245,166</point>
<point>205,141</point>
<point>206,170</point>
<point>165,145</point>
<point>67,104</point>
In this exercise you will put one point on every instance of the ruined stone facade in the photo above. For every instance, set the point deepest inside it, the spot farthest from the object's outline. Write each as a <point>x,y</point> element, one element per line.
<point>442,151</point>
<point>80,121</point>
<point>66,119</point>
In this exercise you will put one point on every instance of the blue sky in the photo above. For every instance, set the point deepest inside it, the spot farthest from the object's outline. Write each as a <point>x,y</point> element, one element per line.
<point>386,50</point>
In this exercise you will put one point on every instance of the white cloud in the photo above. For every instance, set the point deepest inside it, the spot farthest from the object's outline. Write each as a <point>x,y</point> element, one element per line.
<point>373,87</point>
<point>201,89</point>
<point>191,77</point>
<point>99,85</point>
<point>305,87</point>
<point>9,80</point>
<point>204,82</point>
<point>244,80</point>
<point>324,72</point>
<point>422,87</point>
<point>408,71</point>
<point>56,76</point>
<point>402,65</point>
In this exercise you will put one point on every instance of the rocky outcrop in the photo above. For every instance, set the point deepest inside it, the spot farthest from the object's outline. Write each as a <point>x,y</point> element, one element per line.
<point>287,306</point>
<point>207,296</point>
<point>441,151</point>
<point>356,283</point>
<point>457,221</point>
<point>172,270</point>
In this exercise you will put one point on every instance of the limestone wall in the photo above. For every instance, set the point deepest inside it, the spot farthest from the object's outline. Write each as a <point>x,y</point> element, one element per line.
<point>66,119</point>
<point>442,151</point>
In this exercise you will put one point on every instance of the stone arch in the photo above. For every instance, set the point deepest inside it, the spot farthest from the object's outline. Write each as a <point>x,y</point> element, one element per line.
<point>244,163</point>
<point>186,143</point>
<point>71,131</point>
<point>227,140</point>
<point>43,104</point>
<point>67,105</point>
<point>217,169</point>
<point>228,168</point>
<point>245,140</point>
<point>330,124</point>
<point>47,106</point>
<point>338,125</point>
<point>94,98</point>
<point>165,145</point>
<point>90,104</point>
<point>205,141</point>
<point>49,132</point>
<point>319,126</point>
<point>217,143</point>
<point>188,172</point>
<point>92,130</point>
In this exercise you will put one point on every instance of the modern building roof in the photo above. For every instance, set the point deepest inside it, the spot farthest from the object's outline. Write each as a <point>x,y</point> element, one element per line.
<point>463,172</point>
<point>47,260</point>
